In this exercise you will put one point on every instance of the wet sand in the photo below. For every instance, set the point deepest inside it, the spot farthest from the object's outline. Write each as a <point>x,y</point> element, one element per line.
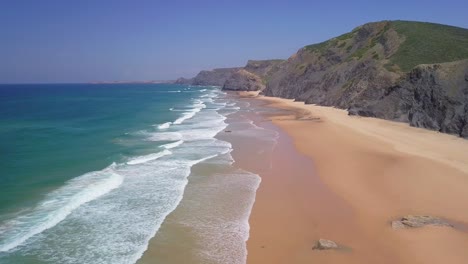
<point>210,225</point>
<point>345,178</point>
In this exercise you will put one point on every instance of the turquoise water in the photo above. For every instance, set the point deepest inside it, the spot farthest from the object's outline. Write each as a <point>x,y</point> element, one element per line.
<point>89,172</point>
<point>52,133</point>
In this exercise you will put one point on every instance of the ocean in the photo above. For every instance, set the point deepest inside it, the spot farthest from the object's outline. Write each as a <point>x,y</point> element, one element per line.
<point>90,172</point>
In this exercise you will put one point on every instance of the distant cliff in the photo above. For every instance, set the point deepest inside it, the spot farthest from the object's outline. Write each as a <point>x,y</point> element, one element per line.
<point>243,80</point>
<point>393,70</point>
<point>405,71</point>
<point>216,77</point>
<point>253,76</point>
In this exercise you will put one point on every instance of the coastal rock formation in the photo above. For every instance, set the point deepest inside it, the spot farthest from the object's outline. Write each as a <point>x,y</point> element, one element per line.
<point>183,81</point>
<point>263,68</point>
<point>415,221</point>
<point>433,96</point>
<point>253,76</point>
<point>393,70</point>
<point>216,77</point>
<point>405,71</point>
<point>325,244</point>
<point>245,81</point>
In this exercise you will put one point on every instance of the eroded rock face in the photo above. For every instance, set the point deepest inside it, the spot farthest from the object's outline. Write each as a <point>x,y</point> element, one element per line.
<point>415,221</point>
<point>362,71</point>
<point>440,97</point>
<point>353,72</point>
<point>263,68</point>
<point>183,81</point>
<point>243,80</point>
<point>253,76</point>
<point>216,77</point>
<point>325,244</point>
<point>342,72</point>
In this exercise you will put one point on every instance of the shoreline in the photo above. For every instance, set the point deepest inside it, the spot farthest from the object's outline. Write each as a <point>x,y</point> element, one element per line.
<point>370,172</point>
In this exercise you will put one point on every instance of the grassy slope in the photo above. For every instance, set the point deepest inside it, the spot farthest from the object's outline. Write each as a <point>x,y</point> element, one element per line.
<point>429,43</point>
<point>424,43</point>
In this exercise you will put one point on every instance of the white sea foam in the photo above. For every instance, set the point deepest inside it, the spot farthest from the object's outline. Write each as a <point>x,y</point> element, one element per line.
<point>149,157</point>
<point>165,136</point>
<point>186,116</point>
<point>224,238</point>
<point>58,205</point>
<point>198,106</point>
<point>165,125</point>
<point>109,216</point>
<point>172,145</point>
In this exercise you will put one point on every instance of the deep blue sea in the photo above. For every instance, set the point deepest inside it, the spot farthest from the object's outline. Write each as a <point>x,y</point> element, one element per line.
<point>88,172</point>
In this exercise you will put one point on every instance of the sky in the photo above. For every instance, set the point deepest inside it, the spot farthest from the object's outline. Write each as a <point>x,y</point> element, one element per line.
<point>67,41</point>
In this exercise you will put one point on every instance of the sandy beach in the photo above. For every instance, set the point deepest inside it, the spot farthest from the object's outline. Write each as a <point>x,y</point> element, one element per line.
<point>346,178</point>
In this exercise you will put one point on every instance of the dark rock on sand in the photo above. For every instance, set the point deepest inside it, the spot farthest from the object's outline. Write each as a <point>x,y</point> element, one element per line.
<point>356,111</point>
<point>324,244</point>
<point>415,221</point>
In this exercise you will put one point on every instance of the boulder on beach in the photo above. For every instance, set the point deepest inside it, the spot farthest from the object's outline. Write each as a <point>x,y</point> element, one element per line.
<point>325,244</point>
<point>415,221</point>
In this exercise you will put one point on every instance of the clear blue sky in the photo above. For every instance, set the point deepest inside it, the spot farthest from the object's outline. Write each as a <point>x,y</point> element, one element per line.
<point>86,40</point>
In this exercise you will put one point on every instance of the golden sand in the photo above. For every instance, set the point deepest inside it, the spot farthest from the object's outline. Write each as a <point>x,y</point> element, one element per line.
<point>367,172</point>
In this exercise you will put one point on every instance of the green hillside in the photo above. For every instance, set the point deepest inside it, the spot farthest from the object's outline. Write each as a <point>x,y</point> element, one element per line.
<point>421,43</point>
<point>429,43</point>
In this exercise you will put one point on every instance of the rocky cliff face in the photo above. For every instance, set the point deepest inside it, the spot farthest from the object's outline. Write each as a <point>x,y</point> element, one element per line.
<point>183,81</point>
<point>243,80</point>
<point>439,97</point>
<point>433,96</point>
<point>338,72</point>
<point>365,71</point>
<point>216,77</point>
<point>411,72</point>
<point>263,68</point>
<point>253,76</point>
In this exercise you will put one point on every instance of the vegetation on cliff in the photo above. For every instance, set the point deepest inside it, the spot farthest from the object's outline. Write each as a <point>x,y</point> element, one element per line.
<point>406,71</point>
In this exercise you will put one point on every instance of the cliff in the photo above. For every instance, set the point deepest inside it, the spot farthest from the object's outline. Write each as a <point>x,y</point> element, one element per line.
<point>253,76</point>
<point>216,77</point>
<point>394,70</point>
<point>405,71</point>
<point>244,81</point>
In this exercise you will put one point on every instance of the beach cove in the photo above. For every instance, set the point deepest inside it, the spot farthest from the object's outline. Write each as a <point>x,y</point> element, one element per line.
<point>348,178</point>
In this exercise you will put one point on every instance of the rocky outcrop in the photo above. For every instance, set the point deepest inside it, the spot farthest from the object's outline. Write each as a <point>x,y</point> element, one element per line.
<point>263,68</point>
<point>216,77</point>
<point>245,81</point>
<point>339,72</point>
<point>440,97</point>
<point>415,221</point>
<point>325,244</point>
<point>183,81</point>
<point>253,76</point>
<point>364,71</point>
<point>405,71</point>
<point>433,96</point>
